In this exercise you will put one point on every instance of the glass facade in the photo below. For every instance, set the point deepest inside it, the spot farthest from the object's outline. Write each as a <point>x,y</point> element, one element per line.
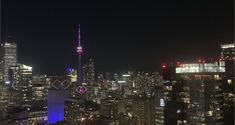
<point>201,67</point>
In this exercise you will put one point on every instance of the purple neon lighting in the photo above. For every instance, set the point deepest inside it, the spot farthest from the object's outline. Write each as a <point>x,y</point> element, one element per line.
<point>79,36</point>
<point>81,89</point>
<point>79,51</point>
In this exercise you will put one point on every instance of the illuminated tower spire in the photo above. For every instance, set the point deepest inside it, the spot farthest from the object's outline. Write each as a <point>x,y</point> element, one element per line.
<point>79,51</point>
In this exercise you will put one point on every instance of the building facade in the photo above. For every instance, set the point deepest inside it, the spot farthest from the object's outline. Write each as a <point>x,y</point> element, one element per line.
<point>8,58</point>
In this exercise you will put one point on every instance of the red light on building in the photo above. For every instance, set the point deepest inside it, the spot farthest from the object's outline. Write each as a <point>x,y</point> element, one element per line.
<point>220,58</point>
<point>164,66</point>
<point>178,64</point>
<point>199,61</point>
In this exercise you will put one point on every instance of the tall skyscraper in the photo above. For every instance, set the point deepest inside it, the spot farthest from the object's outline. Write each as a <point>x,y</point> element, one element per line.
<point>158,100</point>
<point>193,94</point>
<point>228,55</point>
<point>144,110</point>
<point>8,57</point>
<point>89,78</point>
<point>89,72</point>
<point>201,93</point>
<point>79,51</point>
<point>20,79</point>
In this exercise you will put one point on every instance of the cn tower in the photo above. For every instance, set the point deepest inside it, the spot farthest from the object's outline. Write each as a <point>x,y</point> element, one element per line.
<point>79,51</point>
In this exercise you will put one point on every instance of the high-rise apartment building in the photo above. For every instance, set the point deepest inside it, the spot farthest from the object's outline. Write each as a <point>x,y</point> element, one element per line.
<point>201,93</point>
<point>8,58</point>
<point>193,93</point>
<point>228,55</point>
<point>159,104</point>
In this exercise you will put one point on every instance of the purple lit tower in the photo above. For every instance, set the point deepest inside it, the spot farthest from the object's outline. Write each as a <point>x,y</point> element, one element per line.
<point>79,51</point>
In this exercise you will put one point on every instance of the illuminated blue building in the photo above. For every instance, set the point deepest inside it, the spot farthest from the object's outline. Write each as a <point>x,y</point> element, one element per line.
<point>56,99</point>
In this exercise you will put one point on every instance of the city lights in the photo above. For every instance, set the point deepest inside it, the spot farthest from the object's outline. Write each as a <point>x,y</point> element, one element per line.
<point>117,62</point>
<point>197,67</point>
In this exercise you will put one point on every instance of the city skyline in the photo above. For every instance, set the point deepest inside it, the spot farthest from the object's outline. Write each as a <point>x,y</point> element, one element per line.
<point>117,35</point>
<point>201,92</point>
<point>114,62</point>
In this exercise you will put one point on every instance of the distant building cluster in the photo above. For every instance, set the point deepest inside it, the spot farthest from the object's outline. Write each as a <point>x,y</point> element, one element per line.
<point>23,95</point>
<point>198,93</point>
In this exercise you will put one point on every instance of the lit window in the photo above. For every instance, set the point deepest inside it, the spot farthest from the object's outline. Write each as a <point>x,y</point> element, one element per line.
<point>216,76</point>
<point>229,81</point>
<point>178,111</point>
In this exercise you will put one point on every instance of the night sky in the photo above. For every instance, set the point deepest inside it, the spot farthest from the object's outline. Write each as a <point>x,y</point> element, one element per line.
<point>118,35</point>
